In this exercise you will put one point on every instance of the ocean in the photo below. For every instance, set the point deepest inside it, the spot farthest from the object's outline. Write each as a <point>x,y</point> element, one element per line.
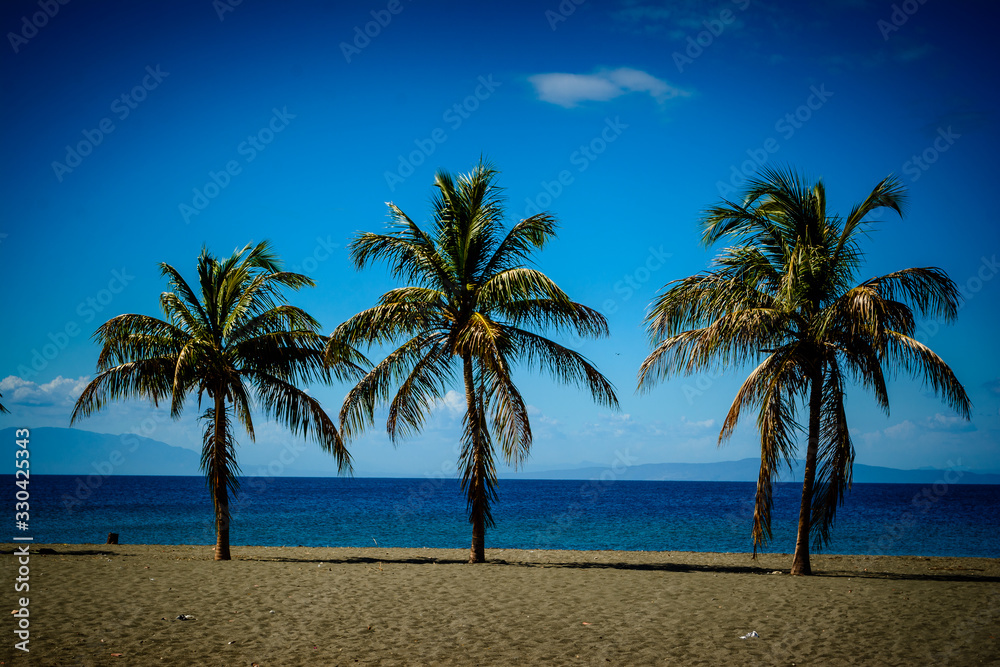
<point>891,519</point>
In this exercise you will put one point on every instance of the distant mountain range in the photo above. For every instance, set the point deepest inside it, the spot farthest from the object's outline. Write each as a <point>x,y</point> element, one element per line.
<point>746,470</point>
<point>68,451</point>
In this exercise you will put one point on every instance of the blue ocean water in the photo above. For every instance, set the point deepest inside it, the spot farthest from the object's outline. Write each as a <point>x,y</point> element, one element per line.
<point>891,519</point>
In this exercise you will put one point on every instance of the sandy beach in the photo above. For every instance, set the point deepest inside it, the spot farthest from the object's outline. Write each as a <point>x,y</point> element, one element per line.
<point>119,605</point>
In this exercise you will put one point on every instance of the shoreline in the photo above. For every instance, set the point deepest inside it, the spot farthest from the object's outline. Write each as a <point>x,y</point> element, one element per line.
<point>374,605</point>
<point>508,555</point>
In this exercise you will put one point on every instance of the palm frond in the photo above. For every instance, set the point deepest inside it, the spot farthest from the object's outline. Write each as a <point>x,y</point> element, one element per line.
<point>918,360</point>
<point>929,289</point>
<point>785,289</point>
<point>218,462</point>
<point>150,379</point>
<point>301,414</point>
<point>427,382</point>
<point>889,193</point>
<point>835,456</point>
<point>562,364</point>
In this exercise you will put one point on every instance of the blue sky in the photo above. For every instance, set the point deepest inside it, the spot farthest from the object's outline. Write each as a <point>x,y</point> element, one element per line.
<point>136,133</point>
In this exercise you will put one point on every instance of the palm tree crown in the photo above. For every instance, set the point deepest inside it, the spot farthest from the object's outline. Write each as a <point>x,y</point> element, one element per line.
<point>235,341</point>
<point>470,310</point>
<point>784,295</point>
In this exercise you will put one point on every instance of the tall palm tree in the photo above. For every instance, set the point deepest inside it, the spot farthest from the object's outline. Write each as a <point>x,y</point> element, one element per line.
<point>3,410</point>
<point>236,341</point>
<point>784,294</point>
<point>470,309</point>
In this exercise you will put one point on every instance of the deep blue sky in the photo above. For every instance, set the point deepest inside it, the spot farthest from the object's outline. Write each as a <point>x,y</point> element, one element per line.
<point>644,111</point>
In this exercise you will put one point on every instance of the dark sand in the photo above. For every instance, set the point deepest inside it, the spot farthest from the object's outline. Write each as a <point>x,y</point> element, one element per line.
<point>331,606</point>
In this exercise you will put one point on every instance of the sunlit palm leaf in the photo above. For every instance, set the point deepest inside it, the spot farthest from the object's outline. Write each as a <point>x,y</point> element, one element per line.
<point>469,296</point>
<point>784,296</point>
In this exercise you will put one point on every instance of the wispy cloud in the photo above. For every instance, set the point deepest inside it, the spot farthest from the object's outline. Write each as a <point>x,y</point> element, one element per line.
<point>689,427</point>
<point>674,18</point>
<point>907,429</point>
<point>952,423</point>
<point>569,90</point>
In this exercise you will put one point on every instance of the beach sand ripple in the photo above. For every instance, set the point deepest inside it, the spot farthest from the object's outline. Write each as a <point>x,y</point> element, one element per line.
<point>373,606</point>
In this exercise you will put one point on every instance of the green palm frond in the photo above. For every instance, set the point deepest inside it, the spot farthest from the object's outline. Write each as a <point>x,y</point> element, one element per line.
<point>562,364</point>
<point>836,456</point>
<point>386,322</point>
<point>377,386</point>
<point>556,316</point>
<point>218,462</point>
<point>784,296</point>
<point>236,341</point>
<point>301,414</point>
<point>929,289</point>
<point>889,193</point>
<point>147,379</point>
<point>520,243</point>
<point>517,284</point>
<point>427,382</point>
<point>469,294</point>
<point>916,359</point>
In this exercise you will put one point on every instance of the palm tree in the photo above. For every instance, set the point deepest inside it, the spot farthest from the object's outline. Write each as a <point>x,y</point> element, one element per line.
<point>784,294</point>
<point>470,310</point>
<point>3,410</point>
<point>237,342</point>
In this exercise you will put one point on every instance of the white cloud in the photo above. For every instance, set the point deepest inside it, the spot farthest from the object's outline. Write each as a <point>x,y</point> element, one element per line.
<point>910,430</point>
<point>696,427</point>
<point>569,90</point>
<point>903,429</point>
<point>59,391</point>
<point>452,402</point>
<point>942,422</point>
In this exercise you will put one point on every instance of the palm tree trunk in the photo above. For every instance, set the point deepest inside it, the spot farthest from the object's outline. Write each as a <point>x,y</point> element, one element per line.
<point>800,561</point>
<point>477,483</point>
<point>221,490</point>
